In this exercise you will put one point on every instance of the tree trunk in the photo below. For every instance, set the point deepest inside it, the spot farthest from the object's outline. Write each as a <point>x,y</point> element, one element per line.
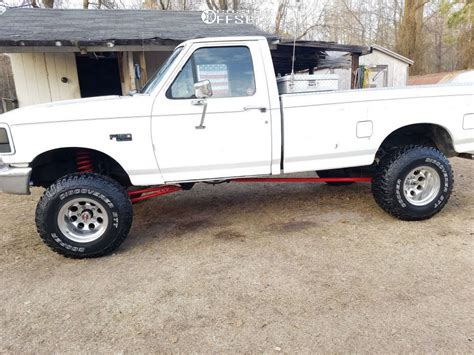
<point>165,5</point>
<point>48,4</point>
<point>85,4</point>
<point>223,5</point>
<point>150,4</point>
<point>410,38</point>
<point>439,50</point>
<point>280,15</point>
<point>211,5</point>
<point>468,60</point>
<point>235,5</point>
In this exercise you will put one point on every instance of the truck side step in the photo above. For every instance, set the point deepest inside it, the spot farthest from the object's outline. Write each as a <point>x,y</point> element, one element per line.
<point>466,156</point>
<point>304,179</point>
<point>150,192</point>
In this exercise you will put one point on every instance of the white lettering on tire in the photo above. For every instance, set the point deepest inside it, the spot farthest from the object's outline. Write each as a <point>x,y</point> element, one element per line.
<point>67,246</point>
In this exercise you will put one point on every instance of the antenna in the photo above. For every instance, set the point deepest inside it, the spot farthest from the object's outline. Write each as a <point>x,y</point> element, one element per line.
<point>293,57</point>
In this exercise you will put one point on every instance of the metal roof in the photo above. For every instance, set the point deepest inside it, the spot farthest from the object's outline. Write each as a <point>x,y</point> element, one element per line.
<point>464,76</point>
<point>392,54</point>
<point>47,27</point>
<point>310,54</point>
<point>328,46</point>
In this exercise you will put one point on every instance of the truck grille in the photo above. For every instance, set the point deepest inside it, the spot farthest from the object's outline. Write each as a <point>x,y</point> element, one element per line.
<point>4,142</point>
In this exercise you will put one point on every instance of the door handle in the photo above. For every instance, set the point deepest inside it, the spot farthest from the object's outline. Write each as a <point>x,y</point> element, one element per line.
<point>260,108</point>
<point>202,102</point>
<point>198,102</point>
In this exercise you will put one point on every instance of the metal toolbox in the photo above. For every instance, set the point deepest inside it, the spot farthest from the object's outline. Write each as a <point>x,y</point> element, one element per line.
<point>307,83</point>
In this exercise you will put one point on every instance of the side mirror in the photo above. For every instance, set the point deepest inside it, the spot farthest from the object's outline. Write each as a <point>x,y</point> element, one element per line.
<point>202,89</point>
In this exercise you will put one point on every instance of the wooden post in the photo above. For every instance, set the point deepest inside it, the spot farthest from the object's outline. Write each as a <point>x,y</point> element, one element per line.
<point>142,60</point>
<point>355,66</point>
<point>131,69</point>
<point>122,58</point>
<point>127,72</point>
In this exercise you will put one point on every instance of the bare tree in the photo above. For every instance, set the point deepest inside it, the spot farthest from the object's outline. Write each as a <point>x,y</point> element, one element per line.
<point>463,21</point>
<point>166,4</point>
<point>410,32</point>
<point>150,4</point>
<point>223,4</point>
<point>280,15</point>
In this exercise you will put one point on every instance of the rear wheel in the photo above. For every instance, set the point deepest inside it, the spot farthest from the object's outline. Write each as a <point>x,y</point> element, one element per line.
<point>84,215</point>
<point>413,182</point>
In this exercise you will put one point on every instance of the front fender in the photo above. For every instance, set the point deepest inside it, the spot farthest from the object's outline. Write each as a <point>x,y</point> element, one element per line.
<point>135,156</point>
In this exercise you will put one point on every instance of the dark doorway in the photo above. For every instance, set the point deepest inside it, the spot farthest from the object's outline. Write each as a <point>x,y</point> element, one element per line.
<point>98,74</point>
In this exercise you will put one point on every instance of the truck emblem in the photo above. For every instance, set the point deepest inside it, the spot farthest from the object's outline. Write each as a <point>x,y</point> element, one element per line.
<point>122,137</point>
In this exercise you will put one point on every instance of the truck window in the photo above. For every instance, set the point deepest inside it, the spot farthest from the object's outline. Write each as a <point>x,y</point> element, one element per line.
<point>229,69</point>
<point>153,82</point>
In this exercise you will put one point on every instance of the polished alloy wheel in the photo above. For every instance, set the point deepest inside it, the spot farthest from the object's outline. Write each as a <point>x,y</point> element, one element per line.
<point>421,185</point>
<point>83,220</point>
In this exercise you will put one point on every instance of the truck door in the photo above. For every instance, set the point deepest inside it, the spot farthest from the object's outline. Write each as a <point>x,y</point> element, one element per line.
<point>235,137</point>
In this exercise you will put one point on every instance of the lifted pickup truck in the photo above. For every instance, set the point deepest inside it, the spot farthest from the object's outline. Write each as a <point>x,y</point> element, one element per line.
<point>213,113</point>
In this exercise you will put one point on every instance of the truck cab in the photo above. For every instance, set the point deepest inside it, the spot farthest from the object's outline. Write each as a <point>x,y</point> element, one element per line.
<point>235,129</point>
<point>213,113</point>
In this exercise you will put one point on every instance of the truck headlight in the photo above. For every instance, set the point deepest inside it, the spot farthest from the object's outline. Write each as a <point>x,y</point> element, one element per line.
<point>5,146</point>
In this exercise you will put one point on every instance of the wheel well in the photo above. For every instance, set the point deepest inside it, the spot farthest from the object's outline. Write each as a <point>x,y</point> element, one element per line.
<point>424,134</point>
<point>54,164</point>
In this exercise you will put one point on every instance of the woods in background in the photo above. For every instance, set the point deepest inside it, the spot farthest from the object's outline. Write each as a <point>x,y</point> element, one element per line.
<point>438,34</point>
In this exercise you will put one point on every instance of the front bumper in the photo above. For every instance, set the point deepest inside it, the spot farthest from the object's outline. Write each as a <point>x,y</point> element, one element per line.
<point>15,180</point>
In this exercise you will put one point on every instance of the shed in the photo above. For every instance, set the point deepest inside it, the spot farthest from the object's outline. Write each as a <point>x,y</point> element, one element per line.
<point>59,54</point>
<point>386,68</point>
<point>383,68</point>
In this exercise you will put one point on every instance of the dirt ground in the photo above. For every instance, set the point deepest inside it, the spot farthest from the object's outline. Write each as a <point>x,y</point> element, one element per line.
<point>249,268</point>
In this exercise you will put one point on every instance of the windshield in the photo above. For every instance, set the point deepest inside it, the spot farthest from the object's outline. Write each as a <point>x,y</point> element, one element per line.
<point>156,78</point>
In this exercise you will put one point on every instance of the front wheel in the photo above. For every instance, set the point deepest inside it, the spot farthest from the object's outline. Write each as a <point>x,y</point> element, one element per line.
<point>413,182</point>
<point>84,215</point>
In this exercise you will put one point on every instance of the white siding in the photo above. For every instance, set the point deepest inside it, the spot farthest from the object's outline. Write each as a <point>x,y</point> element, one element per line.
<point>127,73</point>
<point>38,76</point>
<point>397,70</point>
<point>60,65</point>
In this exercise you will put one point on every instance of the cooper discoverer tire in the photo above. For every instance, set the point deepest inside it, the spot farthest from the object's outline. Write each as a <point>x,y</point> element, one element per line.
<point>84,215</point>
<point>413,182</point>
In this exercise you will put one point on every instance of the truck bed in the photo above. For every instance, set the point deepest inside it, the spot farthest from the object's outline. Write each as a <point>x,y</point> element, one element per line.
<point>345,128</point>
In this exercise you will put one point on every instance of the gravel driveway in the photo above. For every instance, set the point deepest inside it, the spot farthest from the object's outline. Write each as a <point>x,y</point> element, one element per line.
<point>249,268</point>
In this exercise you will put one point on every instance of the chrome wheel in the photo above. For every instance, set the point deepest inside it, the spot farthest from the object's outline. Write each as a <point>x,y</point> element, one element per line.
<point>421,185</point>
<point>83,220</point>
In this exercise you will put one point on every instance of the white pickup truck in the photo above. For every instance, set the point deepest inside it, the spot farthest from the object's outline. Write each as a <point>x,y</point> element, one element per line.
<point>213,113</point>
